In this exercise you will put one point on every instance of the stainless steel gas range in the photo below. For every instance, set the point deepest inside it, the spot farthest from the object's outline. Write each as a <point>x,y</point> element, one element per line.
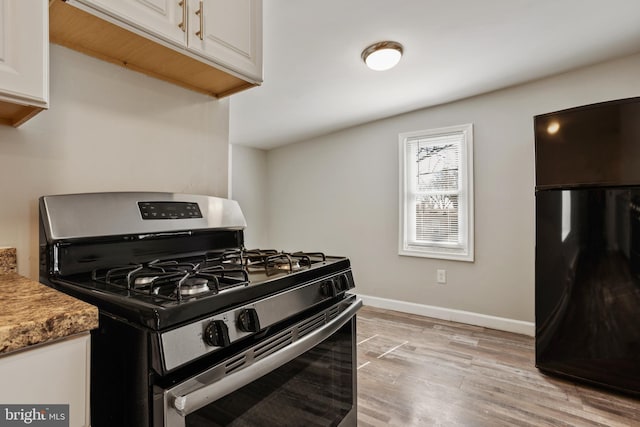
<point>196,330</point>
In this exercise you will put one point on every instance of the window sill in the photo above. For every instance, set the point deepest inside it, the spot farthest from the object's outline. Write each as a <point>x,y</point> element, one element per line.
<point>422,253</point>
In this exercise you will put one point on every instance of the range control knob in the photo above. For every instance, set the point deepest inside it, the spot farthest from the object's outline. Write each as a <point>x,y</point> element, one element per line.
<point>343,283</point>
<point>328,288</point>
<point>216,334</point>
<point>248,320</point>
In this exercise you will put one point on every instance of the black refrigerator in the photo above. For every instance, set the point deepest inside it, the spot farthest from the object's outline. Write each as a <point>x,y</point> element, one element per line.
<point>587,266</point>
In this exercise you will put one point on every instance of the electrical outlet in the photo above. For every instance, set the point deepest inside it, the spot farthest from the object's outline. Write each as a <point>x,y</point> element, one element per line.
<point>441,276</point>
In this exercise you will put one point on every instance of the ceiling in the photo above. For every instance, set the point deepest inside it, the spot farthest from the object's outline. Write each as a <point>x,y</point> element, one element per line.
<point>315,81</point>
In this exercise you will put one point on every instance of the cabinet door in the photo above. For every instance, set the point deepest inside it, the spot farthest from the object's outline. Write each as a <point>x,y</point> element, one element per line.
<point>55,373</point>
<point>24,52</point>
<point>229,33</point>
<point>161,18</point>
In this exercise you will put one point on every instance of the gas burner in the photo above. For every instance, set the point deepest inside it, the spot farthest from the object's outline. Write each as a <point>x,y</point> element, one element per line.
<point>282,262</point>
<point>193,286</point>
<point>287,266</point>
<point>144,280</point>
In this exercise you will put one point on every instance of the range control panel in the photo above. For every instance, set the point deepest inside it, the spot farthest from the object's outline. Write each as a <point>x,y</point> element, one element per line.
<point>169,210</point>
<point>191,341</point>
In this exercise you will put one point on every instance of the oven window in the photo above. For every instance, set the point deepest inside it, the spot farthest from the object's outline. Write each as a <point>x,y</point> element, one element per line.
<point>315,389</point>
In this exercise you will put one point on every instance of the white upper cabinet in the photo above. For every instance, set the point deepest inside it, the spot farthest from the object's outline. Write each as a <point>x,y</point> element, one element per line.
<point>229,32</point>
<point>162,18</point>
<point>212,46</point>
<point>24,59</point>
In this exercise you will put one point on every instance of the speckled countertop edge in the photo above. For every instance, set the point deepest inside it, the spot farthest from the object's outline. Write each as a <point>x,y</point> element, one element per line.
<point>8,260</point>
<point>32,313</point>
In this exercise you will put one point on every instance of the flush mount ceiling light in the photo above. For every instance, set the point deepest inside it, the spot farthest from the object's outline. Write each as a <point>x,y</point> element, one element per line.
<point>382,56</point>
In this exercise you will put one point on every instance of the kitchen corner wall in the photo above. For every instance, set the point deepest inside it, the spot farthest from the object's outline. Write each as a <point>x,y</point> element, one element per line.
<point>339,194</point>
<point>107,129</point>
<point>249,188</point>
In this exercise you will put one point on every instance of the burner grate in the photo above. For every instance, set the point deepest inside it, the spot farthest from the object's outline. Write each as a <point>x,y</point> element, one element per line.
<point>273,262</point>
<point>215,272</point>
<point>173,280</point>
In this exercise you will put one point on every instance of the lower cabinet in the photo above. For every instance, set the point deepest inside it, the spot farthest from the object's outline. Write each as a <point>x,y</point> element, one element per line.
<point>50,374</point>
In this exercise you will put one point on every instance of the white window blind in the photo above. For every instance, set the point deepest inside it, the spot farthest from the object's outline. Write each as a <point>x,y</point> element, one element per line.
<point>436,193</point>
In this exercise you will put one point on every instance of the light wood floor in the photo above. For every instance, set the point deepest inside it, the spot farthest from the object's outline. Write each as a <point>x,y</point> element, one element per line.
<point>418,371</point>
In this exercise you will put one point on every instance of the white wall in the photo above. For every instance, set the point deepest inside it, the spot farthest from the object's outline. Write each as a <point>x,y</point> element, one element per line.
<point>249,188</point>
<point>107,129</point>
<point>339,194</point>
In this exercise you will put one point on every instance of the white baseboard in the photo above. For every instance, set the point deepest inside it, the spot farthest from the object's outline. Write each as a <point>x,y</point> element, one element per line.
<point>492,322</point>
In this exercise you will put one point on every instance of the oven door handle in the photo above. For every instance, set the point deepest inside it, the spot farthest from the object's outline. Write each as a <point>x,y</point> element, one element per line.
<point>187,403</point>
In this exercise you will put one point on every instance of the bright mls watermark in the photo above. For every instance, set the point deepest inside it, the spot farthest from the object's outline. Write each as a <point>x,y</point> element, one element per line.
<point>34,415</point>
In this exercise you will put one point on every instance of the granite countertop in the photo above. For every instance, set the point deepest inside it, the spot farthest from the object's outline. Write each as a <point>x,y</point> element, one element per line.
<point>8,260</point>
<point>32,313</point>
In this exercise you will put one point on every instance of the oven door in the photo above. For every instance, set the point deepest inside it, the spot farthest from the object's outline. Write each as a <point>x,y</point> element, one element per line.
<point>304,375</point>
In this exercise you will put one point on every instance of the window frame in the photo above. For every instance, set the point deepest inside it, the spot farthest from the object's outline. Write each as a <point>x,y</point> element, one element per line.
<point>464,251</point>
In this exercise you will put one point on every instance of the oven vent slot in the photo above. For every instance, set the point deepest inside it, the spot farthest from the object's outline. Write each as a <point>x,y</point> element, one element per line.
<point>311,325</point>
<point>333,312</point>
<point>274,344</point>
<point>277,342</point>
<point>235,363</point>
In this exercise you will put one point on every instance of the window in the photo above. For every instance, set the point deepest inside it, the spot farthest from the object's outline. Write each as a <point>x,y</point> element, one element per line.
<point>436,193</point>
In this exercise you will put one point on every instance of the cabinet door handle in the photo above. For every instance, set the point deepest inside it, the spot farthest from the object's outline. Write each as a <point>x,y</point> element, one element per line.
<point>182,25</point>
<point>201,16</point>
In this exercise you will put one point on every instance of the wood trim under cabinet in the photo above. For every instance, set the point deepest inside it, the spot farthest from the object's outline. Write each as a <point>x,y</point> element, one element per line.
<point>15,114</point>
<point>86,33</point>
